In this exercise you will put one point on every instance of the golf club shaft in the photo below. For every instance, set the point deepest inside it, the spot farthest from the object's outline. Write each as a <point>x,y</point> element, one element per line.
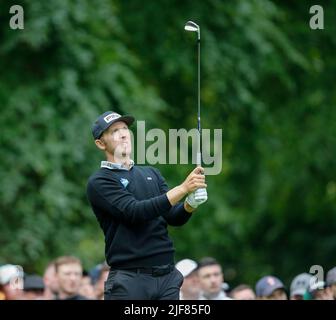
<point>199,148</point>
<point>193,27</point>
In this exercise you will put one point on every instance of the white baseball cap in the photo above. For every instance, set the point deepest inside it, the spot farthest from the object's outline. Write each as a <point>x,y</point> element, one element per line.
<point>186,266</point>
<point>9,271</point>
<point>300,284</point>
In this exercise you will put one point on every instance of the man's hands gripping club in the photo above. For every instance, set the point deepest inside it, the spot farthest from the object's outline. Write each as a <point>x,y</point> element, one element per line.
<point>193,186</point>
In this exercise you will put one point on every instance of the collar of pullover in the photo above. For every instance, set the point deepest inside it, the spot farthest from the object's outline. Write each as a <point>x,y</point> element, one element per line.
<point>116,166</point>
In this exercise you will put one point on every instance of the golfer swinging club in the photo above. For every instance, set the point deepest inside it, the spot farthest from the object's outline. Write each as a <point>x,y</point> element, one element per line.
<point>133,207</point>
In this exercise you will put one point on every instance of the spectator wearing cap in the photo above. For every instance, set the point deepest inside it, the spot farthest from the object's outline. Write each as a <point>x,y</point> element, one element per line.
<point>98,275</point>
<point>33,287</point>
<point>86,288</point>
<point>319,290</point>
<point>50,282</point>
<point>95,272</point>
<point>242,292</point>
<point>270,288</point>
<point>11,282</point>
<point>190,289</point>
<point>211,280</point>
<point>102,277</point>
<point>331,281</point>
<point>300,286</point>
<point>69,272</point>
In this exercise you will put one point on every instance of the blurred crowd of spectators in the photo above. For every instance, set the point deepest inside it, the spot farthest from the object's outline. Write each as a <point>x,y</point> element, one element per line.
<point>65,279</point>
<point>204,280</point>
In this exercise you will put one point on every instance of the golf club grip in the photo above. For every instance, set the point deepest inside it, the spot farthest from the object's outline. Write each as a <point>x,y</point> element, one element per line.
<point>199,159</point>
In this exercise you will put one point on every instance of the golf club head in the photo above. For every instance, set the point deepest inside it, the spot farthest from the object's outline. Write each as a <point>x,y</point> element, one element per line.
<point>193,27</point>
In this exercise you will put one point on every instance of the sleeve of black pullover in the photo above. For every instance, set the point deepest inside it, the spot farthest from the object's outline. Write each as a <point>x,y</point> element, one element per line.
<point>112,197</point>
<point>177,215</point>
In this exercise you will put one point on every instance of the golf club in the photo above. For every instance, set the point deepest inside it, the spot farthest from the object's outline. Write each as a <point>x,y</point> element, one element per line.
<point>193,27</point>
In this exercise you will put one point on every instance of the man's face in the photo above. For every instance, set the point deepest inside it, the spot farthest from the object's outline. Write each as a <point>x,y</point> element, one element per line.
<point>211,279</point>
<point>33,295</point>
<point>11,292</point>
<point>50,279</point>
<point>245,294</point>
<point>323,294</point>
<point>296,297</point>
<point>278,294</point>
<point>191,285</point>
<point>116,140</point>
<point>69,278</point>
<point>86,288</point>
<point>99,286</point>
<point>333,290</point>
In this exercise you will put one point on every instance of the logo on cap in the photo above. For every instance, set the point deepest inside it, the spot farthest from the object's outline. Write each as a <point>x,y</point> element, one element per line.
<point>111,117</point>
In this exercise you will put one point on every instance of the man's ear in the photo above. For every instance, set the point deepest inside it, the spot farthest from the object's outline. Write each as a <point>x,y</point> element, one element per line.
<point>100,144</point>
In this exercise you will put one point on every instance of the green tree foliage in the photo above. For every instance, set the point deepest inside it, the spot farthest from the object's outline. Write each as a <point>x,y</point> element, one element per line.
<point>67,66</point>
<point>267,81</point>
